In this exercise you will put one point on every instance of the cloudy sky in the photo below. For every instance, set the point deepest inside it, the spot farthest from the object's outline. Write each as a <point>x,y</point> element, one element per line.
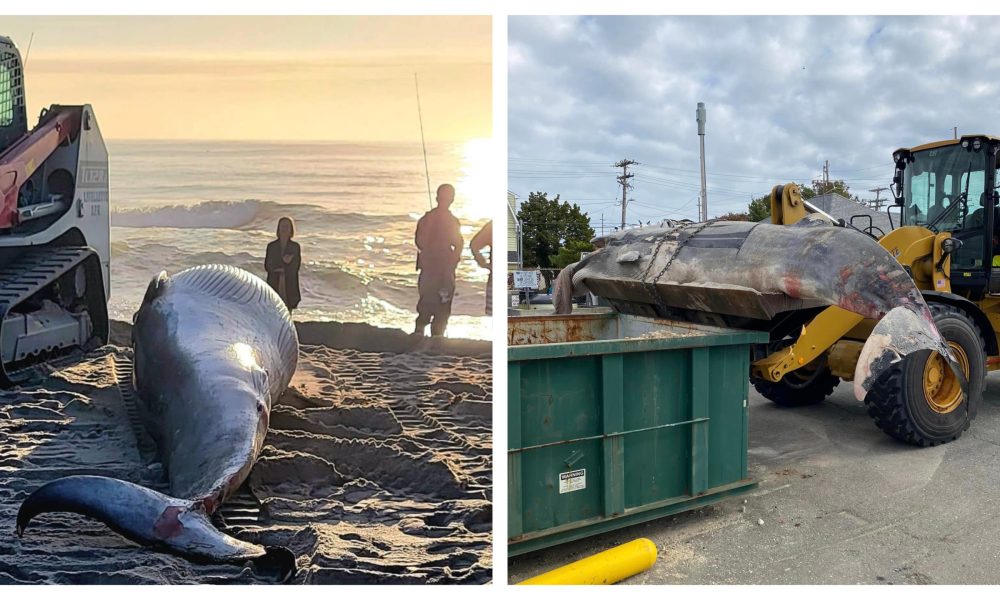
<point>270,78</point>
<point>782,94</point>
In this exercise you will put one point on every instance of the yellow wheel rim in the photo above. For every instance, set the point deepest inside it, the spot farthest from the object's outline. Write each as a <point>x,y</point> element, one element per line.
<point>941,388</point>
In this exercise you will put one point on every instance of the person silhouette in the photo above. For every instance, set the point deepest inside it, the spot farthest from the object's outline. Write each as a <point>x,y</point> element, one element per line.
<point>483,239</point>
<point>282,261</point>
<point>439,248</point>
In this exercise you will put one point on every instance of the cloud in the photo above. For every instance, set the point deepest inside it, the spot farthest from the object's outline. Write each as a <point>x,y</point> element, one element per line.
<point>783,95</point>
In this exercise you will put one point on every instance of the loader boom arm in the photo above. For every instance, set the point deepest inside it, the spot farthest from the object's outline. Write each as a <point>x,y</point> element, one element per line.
<point>788,207</point>
<point>20,161</point>
<point>919,249</point>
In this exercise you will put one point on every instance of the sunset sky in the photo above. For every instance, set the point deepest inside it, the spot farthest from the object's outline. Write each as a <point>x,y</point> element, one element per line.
<point>264,78</point>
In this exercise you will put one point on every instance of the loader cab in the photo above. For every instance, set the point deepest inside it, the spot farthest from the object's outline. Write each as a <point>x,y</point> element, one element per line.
<point>13,116</point>
<point>952,186</point>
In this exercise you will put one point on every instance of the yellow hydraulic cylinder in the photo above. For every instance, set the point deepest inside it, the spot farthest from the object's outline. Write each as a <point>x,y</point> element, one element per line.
<point>610,566</point>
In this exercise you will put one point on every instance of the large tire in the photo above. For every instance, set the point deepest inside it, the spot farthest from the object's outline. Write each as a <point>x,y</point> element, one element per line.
<point>900,403</point>
<point>802,387</point>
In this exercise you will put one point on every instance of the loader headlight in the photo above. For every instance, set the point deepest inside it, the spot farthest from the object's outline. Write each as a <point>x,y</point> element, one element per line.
<point>976,145</point>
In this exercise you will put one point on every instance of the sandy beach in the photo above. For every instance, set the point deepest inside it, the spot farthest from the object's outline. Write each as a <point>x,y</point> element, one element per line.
<point>376,468</point>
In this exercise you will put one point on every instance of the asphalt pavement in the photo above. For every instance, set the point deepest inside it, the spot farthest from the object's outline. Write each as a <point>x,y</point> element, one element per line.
<point>838,502</point>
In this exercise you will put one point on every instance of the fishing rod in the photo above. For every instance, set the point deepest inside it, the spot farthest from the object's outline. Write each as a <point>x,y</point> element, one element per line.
<point>420,116</point>
<point>27,54</point>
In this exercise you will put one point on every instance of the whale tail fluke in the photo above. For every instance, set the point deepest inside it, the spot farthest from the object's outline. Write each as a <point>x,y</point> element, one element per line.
<point>153,519</point>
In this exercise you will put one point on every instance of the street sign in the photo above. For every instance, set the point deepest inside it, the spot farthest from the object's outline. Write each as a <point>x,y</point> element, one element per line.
<point>526,280</point>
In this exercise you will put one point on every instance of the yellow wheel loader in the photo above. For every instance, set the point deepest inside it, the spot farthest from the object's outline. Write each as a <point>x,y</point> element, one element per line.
<point>948,240</point>
<point>910,318</point>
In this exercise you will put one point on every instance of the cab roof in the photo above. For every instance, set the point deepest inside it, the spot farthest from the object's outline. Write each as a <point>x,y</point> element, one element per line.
<point>943,143</point>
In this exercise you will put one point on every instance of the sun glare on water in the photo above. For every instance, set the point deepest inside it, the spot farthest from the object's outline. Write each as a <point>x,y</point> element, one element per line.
<point>478,184</point>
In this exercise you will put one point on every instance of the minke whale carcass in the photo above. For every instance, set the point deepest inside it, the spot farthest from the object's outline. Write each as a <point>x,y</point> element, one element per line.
<point>760,269</point>
<point>214,347</point>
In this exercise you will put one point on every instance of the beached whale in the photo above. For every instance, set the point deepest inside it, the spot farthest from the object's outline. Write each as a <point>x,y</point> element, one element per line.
<point>735,268</point>
<point>214,347</point>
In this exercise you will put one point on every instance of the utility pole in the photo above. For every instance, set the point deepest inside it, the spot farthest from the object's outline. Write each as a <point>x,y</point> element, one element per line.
<point>878,202</point>
<point>624,164</point>
<point>602,224</point>
<point>823,185</point>
<point>700,116</point>
<point>520,246</point>
<point>956,132</point>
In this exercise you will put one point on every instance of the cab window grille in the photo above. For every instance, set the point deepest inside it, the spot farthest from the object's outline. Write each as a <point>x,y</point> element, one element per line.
<point>10,88</point>
<point>12,117</point>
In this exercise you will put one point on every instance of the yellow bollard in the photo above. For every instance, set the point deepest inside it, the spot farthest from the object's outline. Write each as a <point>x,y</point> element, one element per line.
<point>610,566</point>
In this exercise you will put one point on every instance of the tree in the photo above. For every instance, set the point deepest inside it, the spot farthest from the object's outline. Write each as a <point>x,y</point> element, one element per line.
<point>759,209</point>
<point>820,187</point>
<point>734,216</point>
<point>548,225</point>
<point>570,253</point>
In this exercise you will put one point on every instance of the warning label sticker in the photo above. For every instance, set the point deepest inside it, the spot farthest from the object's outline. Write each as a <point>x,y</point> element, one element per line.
<point>571,481</point>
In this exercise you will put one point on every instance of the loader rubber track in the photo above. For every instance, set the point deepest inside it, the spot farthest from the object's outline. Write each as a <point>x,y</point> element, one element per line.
<point>122,366</point>
<point>33,271</point>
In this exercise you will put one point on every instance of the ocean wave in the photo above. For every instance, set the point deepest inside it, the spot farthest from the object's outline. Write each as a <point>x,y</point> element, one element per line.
<point>206,215</point>
<point>244,215</point>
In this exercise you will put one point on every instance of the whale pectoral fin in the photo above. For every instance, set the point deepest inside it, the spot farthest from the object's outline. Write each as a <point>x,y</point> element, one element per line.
<point>156,286</point>
<point>153,290</point>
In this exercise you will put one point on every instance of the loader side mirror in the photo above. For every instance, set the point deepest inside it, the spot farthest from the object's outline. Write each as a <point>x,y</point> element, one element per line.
<point>897,185</point>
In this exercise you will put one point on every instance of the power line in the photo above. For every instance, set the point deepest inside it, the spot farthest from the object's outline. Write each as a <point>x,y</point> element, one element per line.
<point>689,186</point>
<point>686,180</point>
<point>558,170</point>
<point>755,176</point>
<point>532,159</point>
<point>547,176</point>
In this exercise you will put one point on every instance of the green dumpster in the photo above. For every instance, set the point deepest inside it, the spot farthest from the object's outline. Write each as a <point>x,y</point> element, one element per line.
<point>616,419</point>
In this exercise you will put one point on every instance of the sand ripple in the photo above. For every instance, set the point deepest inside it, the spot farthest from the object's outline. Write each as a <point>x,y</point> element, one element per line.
<point>376,469</point>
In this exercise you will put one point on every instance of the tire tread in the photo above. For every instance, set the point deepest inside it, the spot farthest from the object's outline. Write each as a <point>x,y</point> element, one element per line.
<point>885,399</point>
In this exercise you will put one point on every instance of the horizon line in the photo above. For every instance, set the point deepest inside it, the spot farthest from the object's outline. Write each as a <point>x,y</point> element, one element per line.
<point>295,141</point>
